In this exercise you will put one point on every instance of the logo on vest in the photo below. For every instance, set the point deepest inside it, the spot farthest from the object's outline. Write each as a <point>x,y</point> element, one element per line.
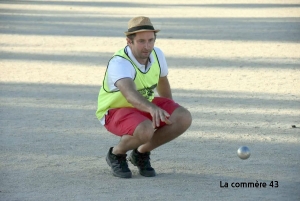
<point>148,92</point>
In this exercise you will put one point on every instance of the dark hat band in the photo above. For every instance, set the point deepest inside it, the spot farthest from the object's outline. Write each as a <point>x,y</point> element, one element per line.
<point>149,27</point>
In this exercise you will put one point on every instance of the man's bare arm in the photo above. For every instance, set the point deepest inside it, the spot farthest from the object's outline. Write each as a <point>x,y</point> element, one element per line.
<point>163,88</point>
<point>128,89</point>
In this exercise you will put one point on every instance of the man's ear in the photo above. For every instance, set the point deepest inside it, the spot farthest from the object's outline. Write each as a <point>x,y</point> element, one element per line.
<point>128,41</point>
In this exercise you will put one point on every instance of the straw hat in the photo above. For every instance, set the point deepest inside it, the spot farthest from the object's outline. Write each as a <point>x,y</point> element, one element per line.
<point>140,24</point>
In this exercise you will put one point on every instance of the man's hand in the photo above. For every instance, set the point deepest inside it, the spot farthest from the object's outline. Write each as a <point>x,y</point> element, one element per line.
<point>127,88</point>
<point>158,115</point>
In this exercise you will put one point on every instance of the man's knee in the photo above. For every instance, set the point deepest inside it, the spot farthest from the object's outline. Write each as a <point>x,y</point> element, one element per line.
<point>182,116</point>
<point>144,131</point>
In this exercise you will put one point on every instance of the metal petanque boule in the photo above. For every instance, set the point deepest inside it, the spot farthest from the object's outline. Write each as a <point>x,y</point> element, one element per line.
<point>243,152</point>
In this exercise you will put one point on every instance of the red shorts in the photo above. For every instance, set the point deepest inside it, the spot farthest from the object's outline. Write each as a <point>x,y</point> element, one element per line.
<point>123,121</point>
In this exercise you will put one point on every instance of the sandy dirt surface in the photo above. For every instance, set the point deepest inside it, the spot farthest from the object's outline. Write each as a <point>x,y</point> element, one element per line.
<point>234,64</point>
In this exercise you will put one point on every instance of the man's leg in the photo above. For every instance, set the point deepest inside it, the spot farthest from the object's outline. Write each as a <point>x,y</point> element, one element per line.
<point>181,120</point>
<point>142,134</point>
<point>146,139</point>
<point>135,129</point>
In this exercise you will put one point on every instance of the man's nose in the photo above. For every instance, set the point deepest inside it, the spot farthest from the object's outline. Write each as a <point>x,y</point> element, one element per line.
<point>147,45</point>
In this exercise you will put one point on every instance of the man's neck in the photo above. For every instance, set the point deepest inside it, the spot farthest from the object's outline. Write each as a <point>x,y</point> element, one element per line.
<point>146,64</point>
<point>143,62</point>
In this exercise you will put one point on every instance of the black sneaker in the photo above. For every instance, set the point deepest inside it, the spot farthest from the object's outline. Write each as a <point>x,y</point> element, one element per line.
<point>142,161</point>
<point>118,164</point>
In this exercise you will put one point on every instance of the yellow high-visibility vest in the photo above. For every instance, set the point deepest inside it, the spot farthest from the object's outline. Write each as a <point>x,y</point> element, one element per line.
<point>145,83</point>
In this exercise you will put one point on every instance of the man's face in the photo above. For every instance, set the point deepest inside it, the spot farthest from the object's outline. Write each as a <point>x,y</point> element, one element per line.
<point>142,45</point>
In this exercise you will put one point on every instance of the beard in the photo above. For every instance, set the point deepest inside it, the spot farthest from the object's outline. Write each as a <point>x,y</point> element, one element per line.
<point>145,54</point>
<point>141,55</point>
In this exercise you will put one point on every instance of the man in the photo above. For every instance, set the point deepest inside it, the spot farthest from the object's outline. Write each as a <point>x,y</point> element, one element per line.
<point>127,106</point>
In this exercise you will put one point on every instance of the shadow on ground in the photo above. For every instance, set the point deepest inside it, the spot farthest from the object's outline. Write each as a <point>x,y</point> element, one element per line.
<point>52,129</point>
<point>64,23</point>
